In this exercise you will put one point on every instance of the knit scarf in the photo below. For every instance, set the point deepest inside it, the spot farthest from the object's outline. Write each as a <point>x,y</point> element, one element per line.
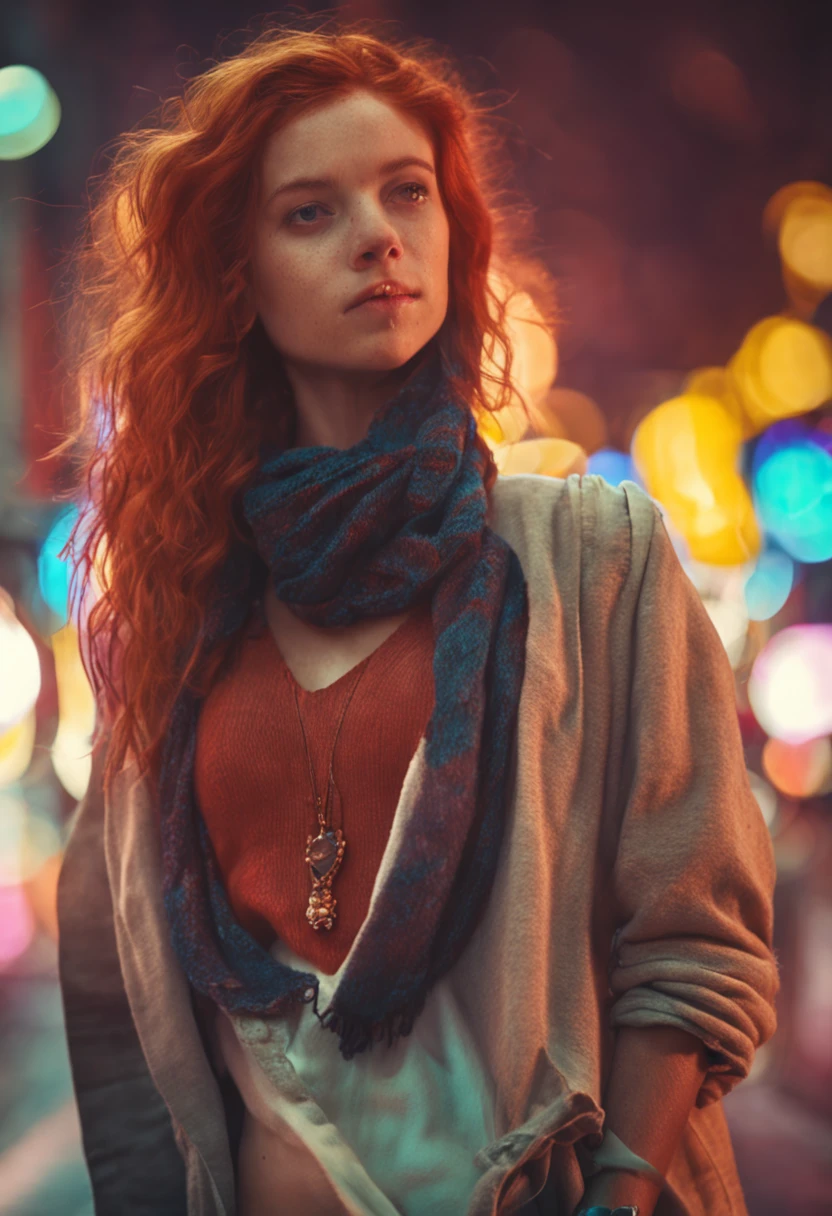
<point>346,535</point>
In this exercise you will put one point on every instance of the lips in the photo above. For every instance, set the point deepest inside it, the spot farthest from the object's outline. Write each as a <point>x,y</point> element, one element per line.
<point>376,290</point>
<point>385,302</point>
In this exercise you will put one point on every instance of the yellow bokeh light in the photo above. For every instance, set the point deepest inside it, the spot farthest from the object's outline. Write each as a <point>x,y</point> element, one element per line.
<point>805,240</point>
<point>719,382</point>
<point>16,747</point>
<point>76,704</point>
<point>795,364</point>
<point>782,369</point>
<point>72,760</point>
<point>76,714</point>
<point>786,196</point>
<point>547,457</point>
<point>686,452</point>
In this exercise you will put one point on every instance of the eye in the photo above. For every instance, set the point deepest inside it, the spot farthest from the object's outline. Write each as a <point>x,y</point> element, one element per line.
<point>418,192</point>
<point>416,189</point>
<point>307,207</point>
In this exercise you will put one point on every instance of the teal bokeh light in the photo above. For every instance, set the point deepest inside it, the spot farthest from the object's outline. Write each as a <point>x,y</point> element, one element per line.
<point>53,573</point>
<point>30,112</point>
<point>793,497</point>
<point>769,585</point>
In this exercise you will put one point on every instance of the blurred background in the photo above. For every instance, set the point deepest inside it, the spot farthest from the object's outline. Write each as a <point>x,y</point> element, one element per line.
<point>679,161</point>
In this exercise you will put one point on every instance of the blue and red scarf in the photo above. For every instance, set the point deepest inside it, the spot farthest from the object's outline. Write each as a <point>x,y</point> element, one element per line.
<point>344,535</point>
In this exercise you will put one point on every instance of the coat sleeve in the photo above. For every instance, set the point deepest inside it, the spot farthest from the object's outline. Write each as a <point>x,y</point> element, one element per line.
<point>694,871</point>
<point>128,1139</point>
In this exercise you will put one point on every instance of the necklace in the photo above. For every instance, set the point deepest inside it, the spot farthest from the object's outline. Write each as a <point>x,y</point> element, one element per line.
<point>325,851</point>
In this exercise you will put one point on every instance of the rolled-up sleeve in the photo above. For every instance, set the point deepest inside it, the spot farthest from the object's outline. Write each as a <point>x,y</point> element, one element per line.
<point>694,871</point>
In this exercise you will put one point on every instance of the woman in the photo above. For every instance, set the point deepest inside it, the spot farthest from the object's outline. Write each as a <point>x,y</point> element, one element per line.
<point>527,946</point>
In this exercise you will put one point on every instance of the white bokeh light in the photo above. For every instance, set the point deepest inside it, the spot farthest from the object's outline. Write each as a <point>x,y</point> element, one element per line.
<point>790,686</point>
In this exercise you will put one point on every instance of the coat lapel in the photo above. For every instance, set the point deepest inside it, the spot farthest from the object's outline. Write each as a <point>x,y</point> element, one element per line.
<point>129,1145</point>
<point>158,991</point>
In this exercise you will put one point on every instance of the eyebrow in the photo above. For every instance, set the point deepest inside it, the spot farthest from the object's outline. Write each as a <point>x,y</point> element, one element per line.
<point>327,183</point>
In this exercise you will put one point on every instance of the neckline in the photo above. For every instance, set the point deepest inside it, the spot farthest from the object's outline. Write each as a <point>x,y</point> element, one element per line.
<point>352,671</point>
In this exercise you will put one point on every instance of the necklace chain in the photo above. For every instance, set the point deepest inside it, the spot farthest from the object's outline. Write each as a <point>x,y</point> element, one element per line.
<point>322,814</point>
<point>322,903</point>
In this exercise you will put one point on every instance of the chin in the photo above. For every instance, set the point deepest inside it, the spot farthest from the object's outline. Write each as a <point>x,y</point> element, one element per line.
<point>386,356</point>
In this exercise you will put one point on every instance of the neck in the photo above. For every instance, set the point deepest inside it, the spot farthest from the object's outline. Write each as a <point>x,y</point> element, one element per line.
<point>335,408</point>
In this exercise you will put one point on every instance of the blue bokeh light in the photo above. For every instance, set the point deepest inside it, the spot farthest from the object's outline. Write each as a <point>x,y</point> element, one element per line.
<point>613,466</point>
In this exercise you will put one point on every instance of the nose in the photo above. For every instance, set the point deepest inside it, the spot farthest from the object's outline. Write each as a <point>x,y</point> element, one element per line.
<point>381,253</point>
<point>378,242</point>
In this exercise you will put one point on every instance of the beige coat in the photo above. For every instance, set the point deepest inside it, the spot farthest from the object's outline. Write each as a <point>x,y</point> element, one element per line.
<point>634,888</point>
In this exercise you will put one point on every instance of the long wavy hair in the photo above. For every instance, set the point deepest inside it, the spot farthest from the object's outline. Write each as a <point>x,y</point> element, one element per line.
<point>174,381</point>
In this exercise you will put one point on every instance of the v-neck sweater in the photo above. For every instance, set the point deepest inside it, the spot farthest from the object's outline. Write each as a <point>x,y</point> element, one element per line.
<point>253,785</point>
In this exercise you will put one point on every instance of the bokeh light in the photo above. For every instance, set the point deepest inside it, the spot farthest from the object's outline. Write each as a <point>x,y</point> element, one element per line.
<point>719,382</point>
<point>792,487</point>
<point>548,457</point>
<point>30,112</point>
<point>765,795</point>
<point>687,452</point>
<point>790,685</point>
<point>53,572</point>
<point>17,925</point>
<point>72,760</point>
<point>799,770</point>
<point>16,747</point>
<point>27,838</point>
<point>613,466</point>
<point>721,589</point>
<point>769,585</point>
<point>799,217</point>
<point>565,413</point>
<point>20,665</point>
<point>534,360</point>
<point>783,368</point>
<point>806,240</point>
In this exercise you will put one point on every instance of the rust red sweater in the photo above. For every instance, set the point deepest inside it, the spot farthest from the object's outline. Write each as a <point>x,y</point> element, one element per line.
<point>251,778</point>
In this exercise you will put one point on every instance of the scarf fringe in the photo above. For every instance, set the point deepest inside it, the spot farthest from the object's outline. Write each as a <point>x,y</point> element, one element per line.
<point>357,1034</point>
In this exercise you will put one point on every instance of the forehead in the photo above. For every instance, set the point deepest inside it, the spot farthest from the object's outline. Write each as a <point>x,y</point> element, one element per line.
<point>346,138</point>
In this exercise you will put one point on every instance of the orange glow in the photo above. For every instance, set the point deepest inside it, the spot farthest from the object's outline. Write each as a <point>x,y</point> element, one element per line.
<point>799,770</point>
<point>42,893</point>
<point>565,413</point>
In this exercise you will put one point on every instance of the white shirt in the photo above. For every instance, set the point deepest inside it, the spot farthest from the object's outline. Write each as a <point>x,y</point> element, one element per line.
<point>401,1125</point>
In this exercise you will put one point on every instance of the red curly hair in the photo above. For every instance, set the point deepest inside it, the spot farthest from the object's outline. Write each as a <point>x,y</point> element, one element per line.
<point>172,373</point>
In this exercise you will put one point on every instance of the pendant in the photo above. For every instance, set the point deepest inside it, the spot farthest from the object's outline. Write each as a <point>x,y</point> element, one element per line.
<point>323,855</point>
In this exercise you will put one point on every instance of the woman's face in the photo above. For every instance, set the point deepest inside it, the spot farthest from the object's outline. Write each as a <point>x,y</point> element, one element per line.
<point>367,210</point>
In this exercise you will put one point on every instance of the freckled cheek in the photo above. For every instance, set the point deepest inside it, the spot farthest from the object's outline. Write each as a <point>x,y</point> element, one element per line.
<point>293,293</point>
<point>433,248</point>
